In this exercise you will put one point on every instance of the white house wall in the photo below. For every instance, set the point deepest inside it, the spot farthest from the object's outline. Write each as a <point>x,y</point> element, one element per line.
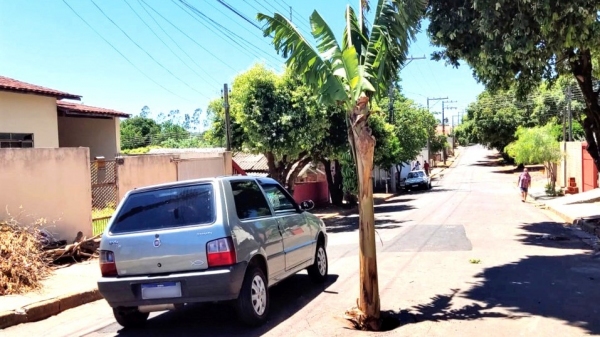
<point>26,113</point>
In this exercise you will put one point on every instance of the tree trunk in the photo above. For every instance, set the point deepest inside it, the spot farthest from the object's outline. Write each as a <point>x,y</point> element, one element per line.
<point>337,196</point>
<point>275,169</point>
<point>367,315</point>
<point>291,177</point>
<point>334,181</point>
<point>581,66</point>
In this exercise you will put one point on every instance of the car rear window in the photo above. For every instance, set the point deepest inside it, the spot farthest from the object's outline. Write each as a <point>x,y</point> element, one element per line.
<point>166,208</point>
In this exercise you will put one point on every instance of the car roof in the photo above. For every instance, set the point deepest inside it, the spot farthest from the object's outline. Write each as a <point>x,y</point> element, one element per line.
<point>201,181</point>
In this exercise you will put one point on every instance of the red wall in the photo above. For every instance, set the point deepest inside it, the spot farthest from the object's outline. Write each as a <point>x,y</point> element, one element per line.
<point>590,173</point>
<point>318,192</point>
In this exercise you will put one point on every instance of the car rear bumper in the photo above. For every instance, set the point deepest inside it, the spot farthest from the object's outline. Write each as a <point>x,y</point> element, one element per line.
<point>218,284</point>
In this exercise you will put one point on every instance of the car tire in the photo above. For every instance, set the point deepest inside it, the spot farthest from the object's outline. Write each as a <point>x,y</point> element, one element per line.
<point>318,271</point>
<point>130,317</point>
<point>252,304</point>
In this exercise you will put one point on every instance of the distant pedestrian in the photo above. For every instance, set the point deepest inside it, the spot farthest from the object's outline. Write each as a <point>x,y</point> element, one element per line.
<point>417,166</point>
<point>523,184</point>
<point>426,167</point>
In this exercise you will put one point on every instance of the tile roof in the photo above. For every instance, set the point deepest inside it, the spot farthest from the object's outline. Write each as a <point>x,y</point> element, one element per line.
<point>9,84</point>
<point>251,162</point>
<point>69,107</point>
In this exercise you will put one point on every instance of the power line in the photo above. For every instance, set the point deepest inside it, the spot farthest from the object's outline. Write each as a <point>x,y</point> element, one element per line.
<point>117,50</point>
<point>224,30</point>
<point>268,11</point>
<point>239,14</point>
<point>186,35</point>
<point>142,49</point>
<point>237,22</point>
<point>161,40</point>
<point>175,42</point>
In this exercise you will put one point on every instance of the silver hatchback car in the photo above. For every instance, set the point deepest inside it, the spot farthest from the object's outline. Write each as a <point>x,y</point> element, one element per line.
<point>219,239</point>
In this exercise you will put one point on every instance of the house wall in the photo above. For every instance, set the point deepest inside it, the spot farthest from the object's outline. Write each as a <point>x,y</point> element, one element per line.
<point>26,113</point>
<point>574,165</point>
<point>53,184</point>
<point>101,135</point>
<point>145,170</point>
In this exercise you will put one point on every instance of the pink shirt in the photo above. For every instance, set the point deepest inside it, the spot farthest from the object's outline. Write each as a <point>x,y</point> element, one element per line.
<point>524,179</point>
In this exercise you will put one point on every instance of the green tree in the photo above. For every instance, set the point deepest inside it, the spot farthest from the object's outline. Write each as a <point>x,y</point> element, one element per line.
<point>522,42</point>
<point>536,146</point>
<point>276,115</point>
<point>362,67</point>
<point>138,131</point>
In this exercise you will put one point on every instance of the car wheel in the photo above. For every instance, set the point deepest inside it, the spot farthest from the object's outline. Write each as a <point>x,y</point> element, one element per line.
<point>429,186</point>
<point>318,271</point>
<point>252,305</point>
<point>130,317</point>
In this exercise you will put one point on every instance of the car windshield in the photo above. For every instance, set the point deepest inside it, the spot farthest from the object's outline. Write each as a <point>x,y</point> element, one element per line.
<point>166,208</point>
<point>415,174</point>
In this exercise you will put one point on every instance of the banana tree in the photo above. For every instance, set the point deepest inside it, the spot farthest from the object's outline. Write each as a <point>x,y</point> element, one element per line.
<point>351,74</point>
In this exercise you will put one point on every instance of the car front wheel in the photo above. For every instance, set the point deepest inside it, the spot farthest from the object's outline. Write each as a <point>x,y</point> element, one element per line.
<point>252,305</point>
<point>318,271</point>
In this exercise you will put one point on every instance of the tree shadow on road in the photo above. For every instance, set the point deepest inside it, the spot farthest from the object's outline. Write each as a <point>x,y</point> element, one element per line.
<point>550,234</point>
<point>439,309</point>
<point>565,287</point>
<point>219,319</point>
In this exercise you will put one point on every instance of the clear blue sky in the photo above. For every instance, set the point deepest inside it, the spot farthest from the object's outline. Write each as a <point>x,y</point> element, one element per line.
<point>45,43</point>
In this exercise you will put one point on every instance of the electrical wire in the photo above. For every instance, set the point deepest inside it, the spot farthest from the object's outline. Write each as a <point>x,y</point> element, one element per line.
<point>163,42</point>
<point>177,44</point>
<point>186,35</point>
<point>228,6</point>
<point>122,55</point>
<point>224,30</point>
<point>149,55</point>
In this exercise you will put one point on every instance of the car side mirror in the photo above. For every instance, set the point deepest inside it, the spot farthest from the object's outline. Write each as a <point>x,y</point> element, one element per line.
<point>307,205</point>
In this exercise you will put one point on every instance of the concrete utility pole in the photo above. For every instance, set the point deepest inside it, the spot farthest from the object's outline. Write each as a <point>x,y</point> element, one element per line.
<point>432,99</point>
<point>444,124</point>
<point>569,97</point>
<point>227,119</point>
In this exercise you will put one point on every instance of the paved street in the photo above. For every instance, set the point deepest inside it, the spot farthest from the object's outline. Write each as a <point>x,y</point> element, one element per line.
<point>466,258</point>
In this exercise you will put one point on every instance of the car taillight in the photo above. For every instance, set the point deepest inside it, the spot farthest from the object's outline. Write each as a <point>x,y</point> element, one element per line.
<point>220,252</point>
<point>107,263</point>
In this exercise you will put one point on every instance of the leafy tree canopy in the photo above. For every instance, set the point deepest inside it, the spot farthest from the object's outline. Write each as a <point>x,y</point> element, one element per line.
<point>521,43</point>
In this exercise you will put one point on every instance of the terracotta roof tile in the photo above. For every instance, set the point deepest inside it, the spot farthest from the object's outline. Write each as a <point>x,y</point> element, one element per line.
<point>9,84</point>
<point>69,107</point>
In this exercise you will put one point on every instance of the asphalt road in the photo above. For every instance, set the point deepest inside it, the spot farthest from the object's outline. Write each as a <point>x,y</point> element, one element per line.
<point>466,258</point>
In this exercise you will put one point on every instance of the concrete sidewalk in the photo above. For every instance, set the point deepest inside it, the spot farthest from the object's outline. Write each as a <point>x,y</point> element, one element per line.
<point>582,209</point>
<point>65,288</point>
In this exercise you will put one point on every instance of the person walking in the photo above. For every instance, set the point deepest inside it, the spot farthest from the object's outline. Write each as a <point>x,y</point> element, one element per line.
<point>426,167</point>
<point>523,184</point>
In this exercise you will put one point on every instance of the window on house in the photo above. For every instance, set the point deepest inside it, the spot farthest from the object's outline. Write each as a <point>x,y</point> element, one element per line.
<point>16,140</point>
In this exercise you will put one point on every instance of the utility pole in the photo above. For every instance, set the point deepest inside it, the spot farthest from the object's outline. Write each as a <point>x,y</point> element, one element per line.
<point>444,125</point>
<point>290,13</point>
<point>564,123</point>
<point>227,119</point>
<point>570,113</point>
<point>428,143</point>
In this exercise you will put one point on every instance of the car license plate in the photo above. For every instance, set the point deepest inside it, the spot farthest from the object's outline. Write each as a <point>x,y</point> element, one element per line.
<point>416,185</point>
<point>161,290</point>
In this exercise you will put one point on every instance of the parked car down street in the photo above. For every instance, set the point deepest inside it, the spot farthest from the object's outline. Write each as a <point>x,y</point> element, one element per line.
<point>208,240</point>
<point>417,180</point>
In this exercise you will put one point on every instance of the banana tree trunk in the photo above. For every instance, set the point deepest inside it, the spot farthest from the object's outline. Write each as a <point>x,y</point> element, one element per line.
<point>367,315</point>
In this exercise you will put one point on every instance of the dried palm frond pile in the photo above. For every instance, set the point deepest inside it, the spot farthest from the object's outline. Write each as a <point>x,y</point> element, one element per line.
<point>22,263</point>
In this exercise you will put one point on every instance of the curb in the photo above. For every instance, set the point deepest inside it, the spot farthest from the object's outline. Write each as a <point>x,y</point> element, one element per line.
<point>43,309</point>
